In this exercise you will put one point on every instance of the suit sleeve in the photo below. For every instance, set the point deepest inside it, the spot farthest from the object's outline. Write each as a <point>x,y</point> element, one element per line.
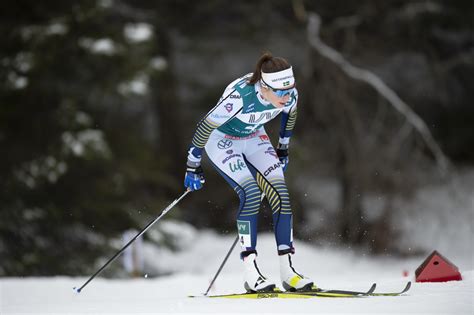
<point>229,105</point>
<point>288,121</point>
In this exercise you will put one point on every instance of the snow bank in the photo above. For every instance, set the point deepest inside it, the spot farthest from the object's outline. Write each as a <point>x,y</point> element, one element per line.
<point>195,268</point>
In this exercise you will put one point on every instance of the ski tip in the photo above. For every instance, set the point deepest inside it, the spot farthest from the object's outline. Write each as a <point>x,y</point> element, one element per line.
<point>199,296</point>
<point>372,289</point>
<point>407,287</point>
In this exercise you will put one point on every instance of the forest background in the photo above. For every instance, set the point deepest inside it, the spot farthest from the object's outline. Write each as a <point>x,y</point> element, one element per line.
<point>100,99</point>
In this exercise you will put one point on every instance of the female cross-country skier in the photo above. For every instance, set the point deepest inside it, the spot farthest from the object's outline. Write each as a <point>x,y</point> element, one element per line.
<point>235,141</point>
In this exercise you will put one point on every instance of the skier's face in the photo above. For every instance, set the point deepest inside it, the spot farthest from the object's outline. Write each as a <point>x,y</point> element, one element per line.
<point>278,98</point>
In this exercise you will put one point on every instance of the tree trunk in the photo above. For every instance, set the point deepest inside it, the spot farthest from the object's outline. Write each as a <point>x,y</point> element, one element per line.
<point>170,149</point>
<point>351,222</point>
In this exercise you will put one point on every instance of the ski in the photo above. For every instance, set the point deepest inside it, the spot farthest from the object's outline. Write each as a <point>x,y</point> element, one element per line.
<point>337,293</point>
<point>407,287</point>
<point>257,295</point>
<point>294,295</point>
<point>371,292</point>
<point>315,292</point>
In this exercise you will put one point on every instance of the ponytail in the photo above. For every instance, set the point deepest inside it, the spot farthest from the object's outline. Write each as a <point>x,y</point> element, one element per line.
<point>267,63</point>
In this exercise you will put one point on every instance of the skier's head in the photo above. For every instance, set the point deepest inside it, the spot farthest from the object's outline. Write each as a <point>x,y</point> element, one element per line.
<point>274,72</point>
<point>275,75</point>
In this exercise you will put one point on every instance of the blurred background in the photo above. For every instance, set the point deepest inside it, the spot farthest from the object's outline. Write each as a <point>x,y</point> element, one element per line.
<point>99,101</point>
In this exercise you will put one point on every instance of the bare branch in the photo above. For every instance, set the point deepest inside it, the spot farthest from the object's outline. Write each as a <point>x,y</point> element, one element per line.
<point>314,23</point>
<point>299,10</point>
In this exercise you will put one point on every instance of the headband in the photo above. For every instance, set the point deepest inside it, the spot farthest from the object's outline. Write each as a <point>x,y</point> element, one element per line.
<point>279,80</point>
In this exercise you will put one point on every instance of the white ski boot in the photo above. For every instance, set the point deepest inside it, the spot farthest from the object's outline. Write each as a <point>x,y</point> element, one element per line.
<point>254,280</point>
<point>291,280</point>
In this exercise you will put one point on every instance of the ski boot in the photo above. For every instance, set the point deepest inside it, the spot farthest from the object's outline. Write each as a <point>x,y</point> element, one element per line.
<point>292,280</point>
<point>254,280</point>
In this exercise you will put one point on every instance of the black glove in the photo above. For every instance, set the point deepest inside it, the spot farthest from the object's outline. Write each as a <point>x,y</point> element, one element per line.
<point>282,152</point>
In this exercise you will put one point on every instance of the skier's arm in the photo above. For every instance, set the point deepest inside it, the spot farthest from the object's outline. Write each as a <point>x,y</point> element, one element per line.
<point>288,120</point>
<point>227,108</point>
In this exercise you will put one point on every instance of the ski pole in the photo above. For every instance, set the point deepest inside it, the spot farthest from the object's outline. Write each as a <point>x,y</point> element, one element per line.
<point>225,259</point>
<point>222,265</point>
<point>132,240</point>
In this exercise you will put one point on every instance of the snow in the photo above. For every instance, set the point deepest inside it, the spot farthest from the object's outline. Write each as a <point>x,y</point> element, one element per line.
<point>104,46</point>
<point>138,85</point>
<point>195,266</point>
<point>439,217</point>
<point>79,143</point>
<point>158,63</point>
<point>17,81</point>
<point>56,29</point>
<point>139,32</point>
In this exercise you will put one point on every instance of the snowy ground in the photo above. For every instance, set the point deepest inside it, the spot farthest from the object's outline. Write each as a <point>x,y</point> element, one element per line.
<point>194,268</point>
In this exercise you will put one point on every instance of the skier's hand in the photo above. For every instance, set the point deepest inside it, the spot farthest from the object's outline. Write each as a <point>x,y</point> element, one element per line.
<point>282,152</point>
<point>194,178</point>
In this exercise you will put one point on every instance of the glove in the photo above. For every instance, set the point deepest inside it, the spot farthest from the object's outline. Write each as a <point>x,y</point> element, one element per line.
<point>282,152</point>
<point>194,178</point>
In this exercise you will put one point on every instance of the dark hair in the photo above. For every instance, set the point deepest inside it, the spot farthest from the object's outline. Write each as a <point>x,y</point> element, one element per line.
<point>267,63</point>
